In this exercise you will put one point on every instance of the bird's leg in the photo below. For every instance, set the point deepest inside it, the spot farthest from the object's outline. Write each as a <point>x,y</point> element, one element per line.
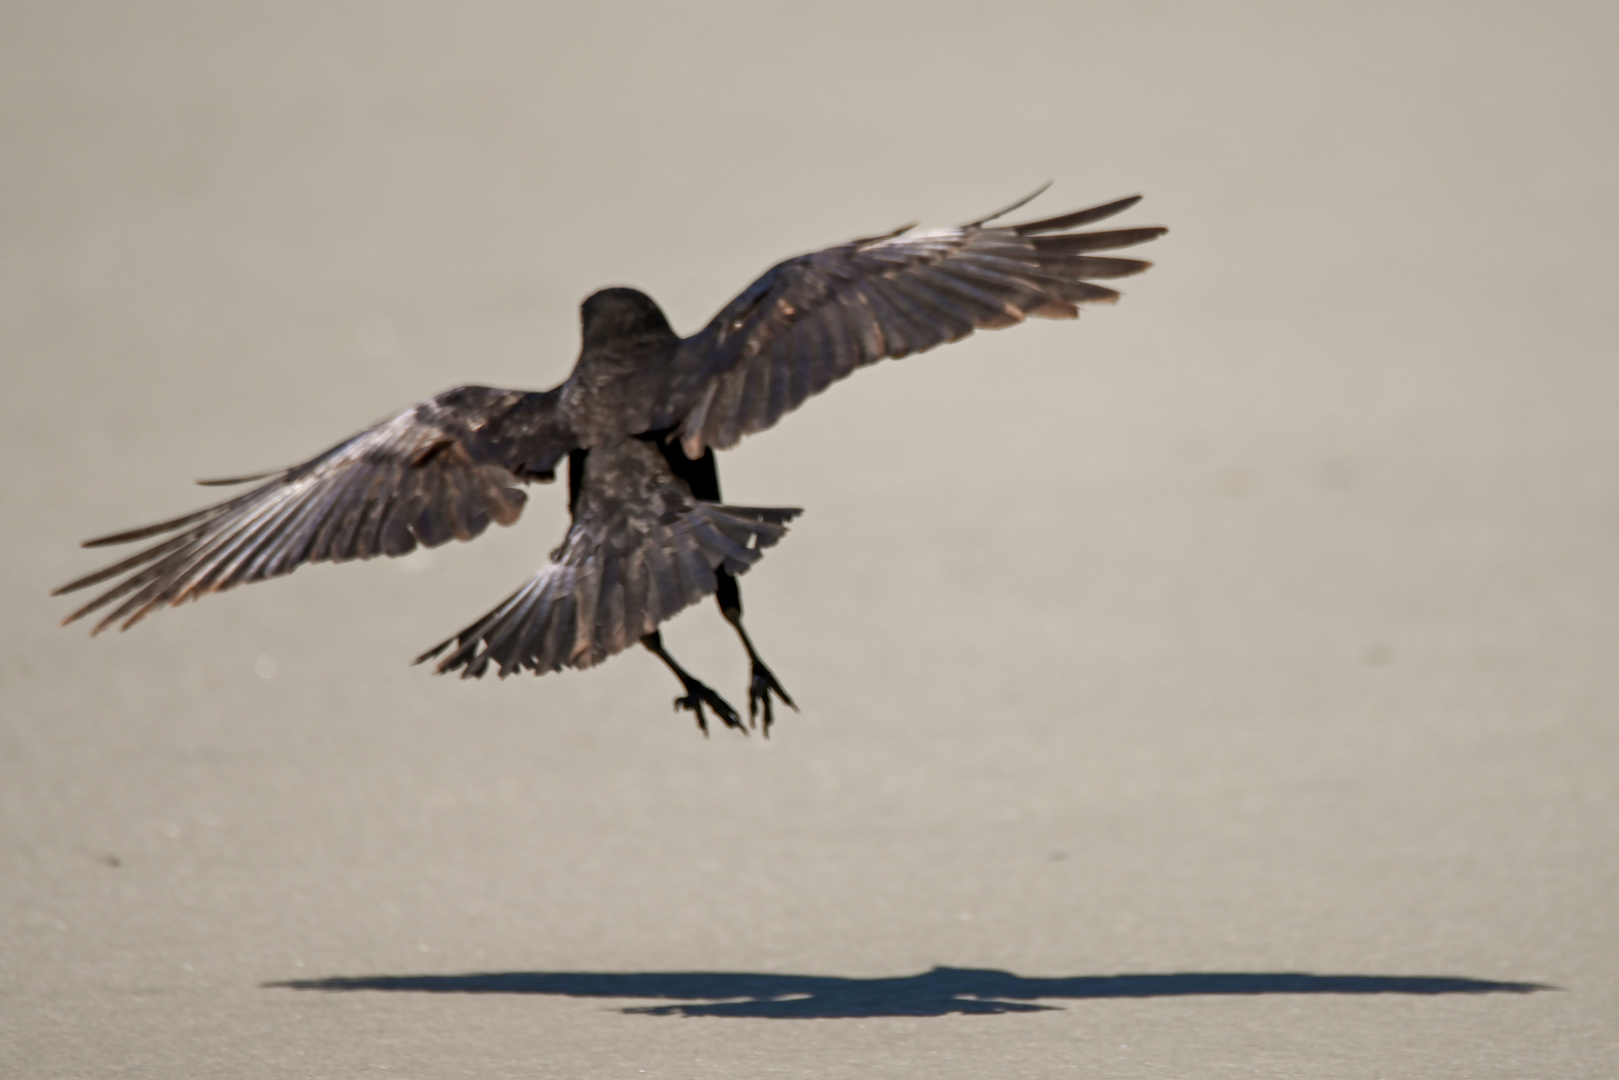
<point>697,694</point>
<point>762,681</point>
<point>702,476</point>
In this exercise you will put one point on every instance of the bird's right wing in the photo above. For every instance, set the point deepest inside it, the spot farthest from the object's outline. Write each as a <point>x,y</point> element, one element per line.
<point>438,471</point>
<point>640,549</point>
<point>816,318</point>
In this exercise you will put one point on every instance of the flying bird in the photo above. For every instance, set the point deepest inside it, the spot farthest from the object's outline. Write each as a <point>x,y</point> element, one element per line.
<point>636,425</point>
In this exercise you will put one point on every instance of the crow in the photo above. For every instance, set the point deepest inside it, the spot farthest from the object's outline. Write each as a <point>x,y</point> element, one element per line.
<point>637,423</point>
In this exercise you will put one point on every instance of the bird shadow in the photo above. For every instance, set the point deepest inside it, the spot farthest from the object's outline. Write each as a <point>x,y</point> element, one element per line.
<point>939,992</point>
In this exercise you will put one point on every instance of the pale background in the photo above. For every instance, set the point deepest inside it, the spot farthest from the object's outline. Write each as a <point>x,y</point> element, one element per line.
<point>1263,624</point>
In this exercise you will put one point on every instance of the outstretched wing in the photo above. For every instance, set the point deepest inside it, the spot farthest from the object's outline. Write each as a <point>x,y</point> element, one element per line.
<point>442,469</point>
<point>813,319</point>
<point>640,549</point>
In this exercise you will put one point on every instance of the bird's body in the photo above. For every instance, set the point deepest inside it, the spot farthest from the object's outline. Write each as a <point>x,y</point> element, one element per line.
<point>636,424</point>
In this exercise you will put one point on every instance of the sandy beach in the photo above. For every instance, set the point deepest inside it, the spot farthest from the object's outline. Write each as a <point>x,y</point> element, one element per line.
<point>1222,685</point>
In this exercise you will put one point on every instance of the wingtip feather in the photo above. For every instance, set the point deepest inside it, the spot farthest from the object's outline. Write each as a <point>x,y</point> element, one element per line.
<point>129,535</point>
<point>1077,218</point>
<point>1026,200</point>
<point>230,481</point>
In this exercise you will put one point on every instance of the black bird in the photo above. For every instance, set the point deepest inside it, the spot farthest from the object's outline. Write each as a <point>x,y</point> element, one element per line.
<point>637,422</point>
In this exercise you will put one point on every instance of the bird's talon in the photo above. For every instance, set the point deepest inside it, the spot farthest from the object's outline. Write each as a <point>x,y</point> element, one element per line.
<point>698,695</point>
<point>762,684</point>
<point>695,704</point>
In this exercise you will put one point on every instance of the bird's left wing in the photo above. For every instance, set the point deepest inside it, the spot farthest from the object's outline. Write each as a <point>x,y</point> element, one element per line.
<point>438,471</point>
<point>815,318</point>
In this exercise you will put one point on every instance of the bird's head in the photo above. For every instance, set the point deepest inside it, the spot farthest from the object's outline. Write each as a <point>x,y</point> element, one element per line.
<point>620,314</point>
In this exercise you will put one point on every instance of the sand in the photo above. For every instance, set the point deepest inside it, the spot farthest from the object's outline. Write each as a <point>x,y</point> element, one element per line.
<point>1220,686</point>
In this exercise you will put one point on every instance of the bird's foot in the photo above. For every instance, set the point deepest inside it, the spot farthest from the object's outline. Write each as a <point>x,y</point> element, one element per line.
<point>760,687</point>
<point>698,695</point>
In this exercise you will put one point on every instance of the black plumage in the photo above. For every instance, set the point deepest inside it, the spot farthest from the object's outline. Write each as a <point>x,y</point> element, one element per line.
<point>637,422</point>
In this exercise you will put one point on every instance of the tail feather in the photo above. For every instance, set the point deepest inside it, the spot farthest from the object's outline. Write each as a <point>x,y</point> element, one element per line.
<point>594,600</point>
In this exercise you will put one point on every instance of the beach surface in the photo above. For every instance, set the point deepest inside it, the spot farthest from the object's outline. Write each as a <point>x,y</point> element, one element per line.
<point>1222,685</point>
